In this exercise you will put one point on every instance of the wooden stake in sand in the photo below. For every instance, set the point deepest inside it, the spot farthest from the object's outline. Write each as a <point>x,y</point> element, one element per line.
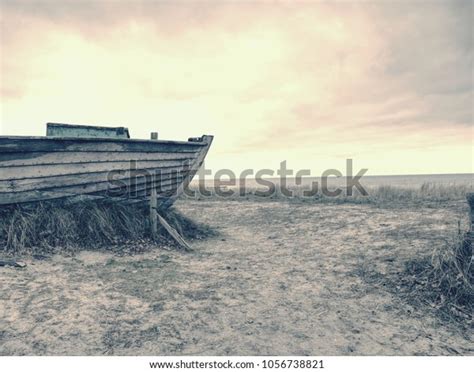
<point>470,201</point>
<point>178,238</point>
<point>153,213</point>
<point>155,218</point>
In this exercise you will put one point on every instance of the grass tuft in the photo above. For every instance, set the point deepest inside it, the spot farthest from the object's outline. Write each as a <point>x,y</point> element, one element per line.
<point>444,281</point>
<point>53,227</point>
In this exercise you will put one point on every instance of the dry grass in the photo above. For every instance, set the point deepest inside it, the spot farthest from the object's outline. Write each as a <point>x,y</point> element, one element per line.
<point>53,227</point>
<point>430,192</point>
<point>444,281</point>
<point>378,195</point>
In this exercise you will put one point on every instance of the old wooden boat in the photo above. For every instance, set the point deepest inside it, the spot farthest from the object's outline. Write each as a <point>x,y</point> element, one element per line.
<point>76,162</point>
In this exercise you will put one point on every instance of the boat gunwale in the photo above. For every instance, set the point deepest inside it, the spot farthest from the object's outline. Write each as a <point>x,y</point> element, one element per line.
<point>98,139</point>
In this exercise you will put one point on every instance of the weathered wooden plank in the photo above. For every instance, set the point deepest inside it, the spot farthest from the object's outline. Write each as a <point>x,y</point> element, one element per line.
<point>88,197</point>
<point>165,187</point>
<point>49,144</point>
<point>127,188</point>
<point>81,179</point>
<point>163,194</point>
<point>31,196</point>
<point>76,130</point>
<point>36,196</point>
<point>144,191</point>
<point>16,173</point>
<point>15,159</point>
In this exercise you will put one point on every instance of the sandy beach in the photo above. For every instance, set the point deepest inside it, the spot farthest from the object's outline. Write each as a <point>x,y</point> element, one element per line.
<point>280,279</point>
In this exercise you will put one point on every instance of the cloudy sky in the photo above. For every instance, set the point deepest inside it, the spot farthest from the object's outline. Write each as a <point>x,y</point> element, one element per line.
<point>389,84</point>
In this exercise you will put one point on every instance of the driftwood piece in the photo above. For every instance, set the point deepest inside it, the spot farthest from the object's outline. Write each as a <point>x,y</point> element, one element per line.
<point>12,263</point>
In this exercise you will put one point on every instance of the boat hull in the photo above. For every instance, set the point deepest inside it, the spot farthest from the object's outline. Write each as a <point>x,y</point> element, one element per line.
<point>34,169</point>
